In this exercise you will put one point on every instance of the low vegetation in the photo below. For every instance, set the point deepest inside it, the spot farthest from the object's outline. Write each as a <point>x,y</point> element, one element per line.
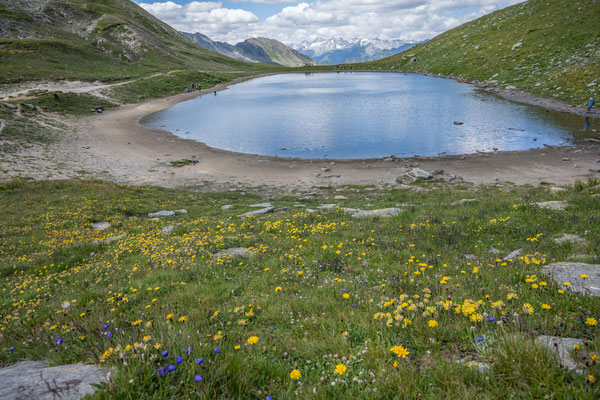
<point>420,305</point>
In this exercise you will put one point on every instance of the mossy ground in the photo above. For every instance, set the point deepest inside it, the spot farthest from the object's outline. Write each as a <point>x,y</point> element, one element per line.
<point>324,289</point>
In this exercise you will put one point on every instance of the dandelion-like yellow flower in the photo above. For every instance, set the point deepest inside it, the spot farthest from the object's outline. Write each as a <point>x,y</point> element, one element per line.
<point>400,351</point>
<point>170,316</point>
<point>346,296</point>
<point>591,321</point>
<point>546,306</point>
<point>432,323</point>
<point>295,374</point>
<point>182,319</point>
<point>237,347</point>
<point>584,276</point>
<point>252,339</point>
<point>591,378</point>
<point>278,289</point>
<point>340,369</point>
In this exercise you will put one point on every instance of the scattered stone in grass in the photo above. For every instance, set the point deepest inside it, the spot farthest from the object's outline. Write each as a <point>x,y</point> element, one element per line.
<point>226,206</point>
<point>555,190</point>
<point>327,206</point>
<point>494,250</point>
<point>316,174</point>
<point>281,209</point>
<point>234,252</point>
<point>418,173</point>
<point>11,106</point>
<point>471,257</point>
<point>340,198</point>
<point>261,205</point>
<point>513,254</point>
<point>552,205</point>
<point>462,201</point>
<point>562,347</point>
<point>325,169</point>
<point>162,213</point>
<point>254,213</point>
<point>36,380</point>
<point>566,159</point>
<point>569,238</point>
<point>101,226</point>
<point>181,211</point>
<point>480,366</point>
<point>582,278</point>
<point>331,176</point>
<point>167,229</point>
<point>111,239</point>
<point>384,212</point>
<point>30,106</point>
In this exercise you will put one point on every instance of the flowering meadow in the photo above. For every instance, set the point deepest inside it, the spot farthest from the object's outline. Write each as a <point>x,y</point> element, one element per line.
<point>423,305</point>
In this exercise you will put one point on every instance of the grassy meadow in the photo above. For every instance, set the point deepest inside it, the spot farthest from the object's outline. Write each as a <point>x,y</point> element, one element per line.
<point>329,307</point>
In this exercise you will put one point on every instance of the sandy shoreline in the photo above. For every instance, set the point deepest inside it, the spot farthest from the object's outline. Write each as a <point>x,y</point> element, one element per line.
<point>140,155</point>
<point>114,146</point>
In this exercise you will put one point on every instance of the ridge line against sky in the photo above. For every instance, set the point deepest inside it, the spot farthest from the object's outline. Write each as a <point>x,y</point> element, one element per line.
<point>294,22</point>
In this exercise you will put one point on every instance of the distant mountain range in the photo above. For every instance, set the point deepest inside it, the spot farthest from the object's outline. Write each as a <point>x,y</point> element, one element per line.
<point>340,51</point>
<point>263,50</point>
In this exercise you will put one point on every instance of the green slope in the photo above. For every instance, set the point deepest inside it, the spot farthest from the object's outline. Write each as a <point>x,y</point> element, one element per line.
<point>95,39</point>
<point>547,47</point>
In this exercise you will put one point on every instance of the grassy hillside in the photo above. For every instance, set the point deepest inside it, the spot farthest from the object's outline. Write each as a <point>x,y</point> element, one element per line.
<point>328,295</point>
<point>547,47</point>
<point>95,39</point>
<point>280,53</point>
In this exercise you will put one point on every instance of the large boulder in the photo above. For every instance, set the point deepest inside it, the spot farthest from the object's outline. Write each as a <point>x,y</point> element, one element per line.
<point>582,278</point>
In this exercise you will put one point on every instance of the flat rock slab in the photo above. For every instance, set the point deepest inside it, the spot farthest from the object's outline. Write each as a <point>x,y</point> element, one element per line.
<point>166,213</point>
<point>101,226</point>
<point>258,212</point>
<point>327,206</point>
<point>384,212</point>
<point>569,238</point>
<point>418,173</point>
<point>513,254</point>
<point>167,229</point>
<point>571,272</point>
<point>462,201</point>
<point>552,205</point>
<point>555,190</point>
<point>261,205</point>
<point>234,252</point>
<point>226,206</point>
<point>562,347</point>
<point>35,380</point>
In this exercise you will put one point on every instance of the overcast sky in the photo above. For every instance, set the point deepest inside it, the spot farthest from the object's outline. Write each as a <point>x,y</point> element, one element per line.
<point>292,22</point>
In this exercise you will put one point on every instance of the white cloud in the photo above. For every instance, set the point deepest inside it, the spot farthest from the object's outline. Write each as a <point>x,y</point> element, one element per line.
<point>385,19</point>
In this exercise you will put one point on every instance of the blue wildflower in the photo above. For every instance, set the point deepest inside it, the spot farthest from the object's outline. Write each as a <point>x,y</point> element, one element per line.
<point>198,378</point>
<point>11,348</point>
<point>171,368</point>
<point>217,350</point>
<point>161,371</point>
<point>188,350</point>
<point>479,339</point>
<point>363,282</point>
<point>199,360</point>
<point>269,398</point>
<point>58,341</point>
<point>491,319</point>
<point>109,335</point>
<point>105,327</point>
<point>164,353</point>
<point>179,360</point>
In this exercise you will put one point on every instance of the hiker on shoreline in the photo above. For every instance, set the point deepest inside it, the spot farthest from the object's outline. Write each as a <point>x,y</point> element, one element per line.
<point>590,105</point>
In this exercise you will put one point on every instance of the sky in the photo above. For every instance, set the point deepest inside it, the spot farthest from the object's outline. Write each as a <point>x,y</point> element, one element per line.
<point>293,22</point>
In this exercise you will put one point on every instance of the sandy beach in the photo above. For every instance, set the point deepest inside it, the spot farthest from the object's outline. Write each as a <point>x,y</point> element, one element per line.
<point>114,146</point>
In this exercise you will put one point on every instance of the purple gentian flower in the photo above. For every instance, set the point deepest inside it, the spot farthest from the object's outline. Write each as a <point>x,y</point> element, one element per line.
<point>269,398</point>
<point>345,291</point>
<point>11,348</point>
<point>188,350</point>
<point>199,360</point>
<point>109,335</point>
<point>105,326</point>
<point>479,339</point>
<point>171,368</point>
<point>179,360</point>
<point>491,319</point>
<point>198,378</point>
<point>363,282</point>
<point>164,353</point>
<point>217,350</point>
<point>58,341</point>
<point>161,371</point>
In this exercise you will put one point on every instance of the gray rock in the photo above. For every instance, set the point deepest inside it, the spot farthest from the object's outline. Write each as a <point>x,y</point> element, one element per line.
<point>562,347</point>
<point>30,106</point>
<point>327,206</point>
<point>101,226</point>
<point>113,238</point>
<point>566,159</point>
<point>325,169</point>
<point>471,257</point>
<point>35,380</point>
<point>163,213</point>
<point>310,210</point>
<point>571,272</point>
<point>512,255</point>
<point>226,206</point>
<point>384,212</point>
<point>480,366</point>
<point>494,250</point>
<point>331,176</point>
<point>555,190</point>
<point>234,252</point>
<point>316,174</point>
<point>569,238</point>
<point>340,198</point>
<point>182,211</point>
<point>418,173</point>
<point>552,205</point>
<point>167,229</point>
<point>261,205</point>
<point>351,210</point>
<point>462,201</point>
<point>11,106</point>
<point>281,209</point>
<point>254,213</point>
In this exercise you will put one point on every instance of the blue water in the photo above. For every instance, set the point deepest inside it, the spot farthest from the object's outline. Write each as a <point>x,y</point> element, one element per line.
<point>362,115</point>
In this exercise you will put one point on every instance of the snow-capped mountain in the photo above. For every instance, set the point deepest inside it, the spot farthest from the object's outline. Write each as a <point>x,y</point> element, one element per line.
<point>341,51</point>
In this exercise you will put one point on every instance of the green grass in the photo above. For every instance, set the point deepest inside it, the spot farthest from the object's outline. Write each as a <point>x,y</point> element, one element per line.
<point>339,277</point>
<point>557,58</point>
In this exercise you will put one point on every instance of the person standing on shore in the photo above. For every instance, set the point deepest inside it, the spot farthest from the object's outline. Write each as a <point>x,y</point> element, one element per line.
<point>590,105</point>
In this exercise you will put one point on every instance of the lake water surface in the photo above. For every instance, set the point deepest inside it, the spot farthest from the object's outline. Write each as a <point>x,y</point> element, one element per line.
<point>362,115</point>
